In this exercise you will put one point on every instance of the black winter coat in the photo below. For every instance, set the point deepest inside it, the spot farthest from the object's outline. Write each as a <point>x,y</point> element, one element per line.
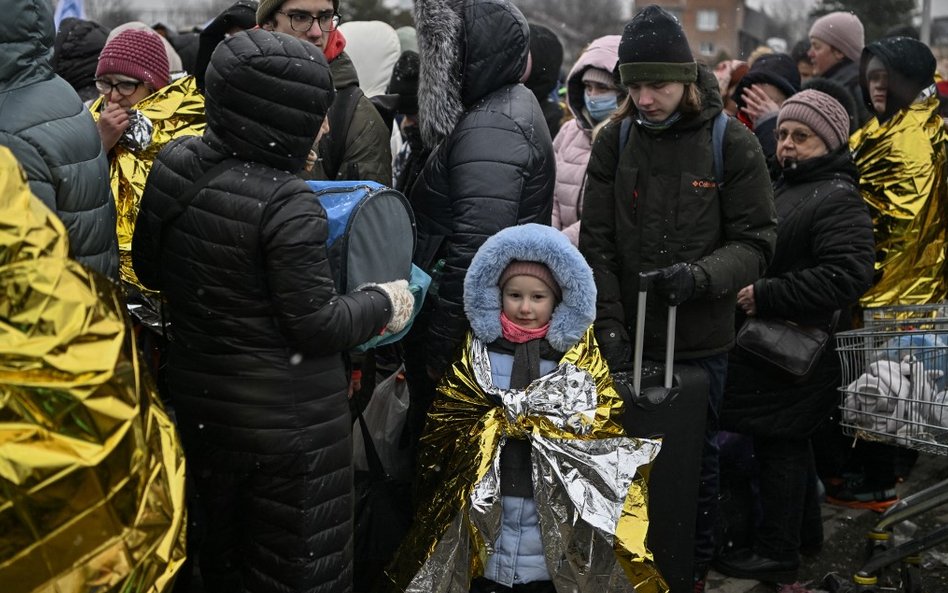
<point>494,169</point>
<point>654,202</point>
<point>823,262</point>
<point>257,329</point>
<point>76,54</point>
<point>846,74</point>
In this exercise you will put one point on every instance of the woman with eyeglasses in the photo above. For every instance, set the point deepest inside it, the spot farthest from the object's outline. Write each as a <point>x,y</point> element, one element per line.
<point>823,263</point>
<point>139,111</point>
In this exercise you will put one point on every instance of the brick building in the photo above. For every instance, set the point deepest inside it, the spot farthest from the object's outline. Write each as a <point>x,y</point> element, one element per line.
<point>718,27</point>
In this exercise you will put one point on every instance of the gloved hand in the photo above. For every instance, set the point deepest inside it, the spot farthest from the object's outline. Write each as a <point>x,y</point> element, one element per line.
<point>675,284</point>
<point>615,347</point>
<point>403,303</point>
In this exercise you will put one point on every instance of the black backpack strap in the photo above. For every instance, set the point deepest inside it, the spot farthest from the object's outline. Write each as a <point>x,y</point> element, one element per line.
<point>333,146</point>
<point>180,204</point>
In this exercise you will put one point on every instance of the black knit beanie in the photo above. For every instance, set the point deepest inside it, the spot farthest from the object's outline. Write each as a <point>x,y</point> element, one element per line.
<point>654,49</point>
<point>546,52</point>
<point>777,69</point>
<point>404,82</point>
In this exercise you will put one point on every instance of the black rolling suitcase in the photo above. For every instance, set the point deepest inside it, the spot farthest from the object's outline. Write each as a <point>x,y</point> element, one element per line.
<point>662,401</point>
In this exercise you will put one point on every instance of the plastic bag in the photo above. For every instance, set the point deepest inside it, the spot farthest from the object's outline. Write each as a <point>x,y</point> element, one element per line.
<point>385,416</point>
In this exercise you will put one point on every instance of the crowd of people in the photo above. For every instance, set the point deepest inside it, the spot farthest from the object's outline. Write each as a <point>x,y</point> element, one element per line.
<point>803,187</point>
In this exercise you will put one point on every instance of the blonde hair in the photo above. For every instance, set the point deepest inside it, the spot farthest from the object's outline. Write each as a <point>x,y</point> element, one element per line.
<point>690,104</point>
<point>761,50</point>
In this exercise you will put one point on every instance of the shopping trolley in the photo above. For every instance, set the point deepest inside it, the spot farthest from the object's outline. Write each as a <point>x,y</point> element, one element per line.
<point>895,370</point>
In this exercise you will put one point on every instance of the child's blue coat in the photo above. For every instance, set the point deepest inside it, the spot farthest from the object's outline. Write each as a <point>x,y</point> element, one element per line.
<point>518,552</point>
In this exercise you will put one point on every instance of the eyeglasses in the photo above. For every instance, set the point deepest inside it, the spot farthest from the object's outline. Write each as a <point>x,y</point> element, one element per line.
<point>124,87</point>
<point>301,22</point>
<point>798,136</point>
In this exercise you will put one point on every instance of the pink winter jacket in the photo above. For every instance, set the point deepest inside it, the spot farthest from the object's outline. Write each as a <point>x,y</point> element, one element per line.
<point>573,143</point>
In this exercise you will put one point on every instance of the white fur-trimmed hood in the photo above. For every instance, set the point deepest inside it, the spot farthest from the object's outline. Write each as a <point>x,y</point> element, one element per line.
<point>539,243</point>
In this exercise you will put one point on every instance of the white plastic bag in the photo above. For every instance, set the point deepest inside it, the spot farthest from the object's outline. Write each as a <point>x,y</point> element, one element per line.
<point>385,417</point>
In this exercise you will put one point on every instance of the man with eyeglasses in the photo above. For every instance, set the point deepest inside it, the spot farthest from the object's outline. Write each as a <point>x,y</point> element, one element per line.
<point>45,125</point>
<point>357,145</point>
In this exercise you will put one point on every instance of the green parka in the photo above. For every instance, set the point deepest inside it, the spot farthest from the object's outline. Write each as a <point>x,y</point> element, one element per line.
<point>368,152</point>
<point>654,202</point>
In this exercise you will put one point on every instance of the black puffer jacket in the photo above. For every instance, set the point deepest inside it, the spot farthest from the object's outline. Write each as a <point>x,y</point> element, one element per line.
<point>494,165</point>
<point>846,74</point>
<point>255,368</point>
<point>52,134</point>
<point>823,262</point>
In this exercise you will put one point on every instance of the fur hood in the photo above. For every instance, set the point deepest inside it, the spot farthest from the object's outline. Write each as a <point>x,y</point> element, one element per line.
<point>468,48</point>
<point>531,242</point>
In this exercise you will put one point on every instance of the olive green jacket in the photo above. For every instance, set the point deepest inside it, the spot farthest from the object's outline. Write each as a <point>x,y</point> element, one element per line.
<point>368,152</point>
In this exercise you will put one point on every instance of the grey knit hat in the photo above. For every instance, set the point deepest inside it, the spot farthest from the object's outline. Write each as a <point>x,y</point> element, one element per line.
<point>268,7</point>
<point>593,74</point>
<point>842,30</point>
<point>821,113</point>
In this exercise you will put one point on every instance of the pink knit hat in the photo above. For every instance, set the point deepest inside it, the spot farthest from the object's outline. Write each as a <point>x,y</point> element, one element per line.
<point>821,113</point>
<point>842,30</point>
<point>136,53</point>
<point>531,268</point>
<point>593,74</point>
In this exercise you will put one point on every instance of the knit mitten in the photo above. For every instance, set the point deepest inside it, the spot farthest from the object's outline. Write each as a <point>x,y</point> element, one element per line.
<point>403,303</point>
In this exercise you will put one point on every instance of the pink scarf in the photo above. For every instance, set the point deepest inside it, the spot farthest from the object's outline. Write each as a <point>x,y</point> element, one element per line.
<point>519,334</point>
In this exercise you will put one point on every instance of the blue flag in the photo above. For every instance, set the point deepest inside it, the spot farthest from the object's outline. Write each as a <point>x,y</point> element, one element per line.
<point>69,8</point>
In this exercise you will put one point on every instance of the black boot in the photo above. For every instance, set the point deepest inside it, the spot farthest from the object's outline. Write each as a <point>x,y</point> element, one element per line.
<point>748,565</point>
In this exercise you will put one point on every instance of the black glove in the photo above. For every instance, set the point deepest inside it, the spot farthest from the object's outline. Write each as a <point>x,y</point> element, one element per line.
<point>615,347</point>
<point>676,283</point>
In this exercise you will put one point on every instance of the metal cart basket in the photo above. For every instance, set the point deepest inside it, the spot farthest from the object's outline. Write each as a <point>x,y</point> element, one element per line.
<point>894,380</point>
<point>894,377</point>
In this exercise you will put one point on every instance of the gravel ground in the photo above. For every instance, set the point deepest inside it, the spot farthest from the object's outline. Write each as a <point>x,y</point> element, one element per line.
<point>845,536</point>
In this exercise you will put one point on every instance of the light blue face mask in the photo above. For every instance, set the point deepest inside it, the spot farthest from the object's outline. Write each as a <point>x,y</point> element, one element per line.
<point>601,106</point>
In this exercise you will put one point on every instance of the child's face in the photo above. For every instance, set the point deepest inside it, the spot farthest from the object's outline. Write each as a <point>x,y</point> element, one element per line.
<point>528,302</point>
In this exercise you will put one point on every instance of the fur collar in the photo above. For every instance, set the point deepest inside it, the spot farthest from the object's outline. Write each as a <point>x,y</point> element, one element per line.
<point>531,242</point>
<point>468,49</point>
<point>439,32</point>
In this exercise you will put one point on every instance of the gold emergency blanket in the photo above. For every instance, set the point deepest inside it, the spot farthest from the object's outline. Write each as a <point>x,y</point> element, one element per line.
<point>590,480</point>
<point>174,111</point>
<point>902,174</point>
<point>91,471</point>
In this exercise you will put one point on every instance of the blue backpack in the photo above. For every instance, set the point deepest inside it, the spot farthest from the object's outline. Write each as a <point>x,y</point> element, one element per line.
<point>371,240</point>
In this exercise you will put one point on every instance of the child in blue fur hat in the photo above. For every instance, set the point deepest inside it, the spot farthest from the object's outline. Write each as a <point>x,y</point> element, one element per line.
<point>528,482</point>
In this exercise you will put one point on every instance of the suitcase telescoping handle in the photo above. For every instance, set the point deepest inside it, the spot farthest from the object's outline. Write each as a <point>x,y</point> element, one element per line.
<point>653,394</point>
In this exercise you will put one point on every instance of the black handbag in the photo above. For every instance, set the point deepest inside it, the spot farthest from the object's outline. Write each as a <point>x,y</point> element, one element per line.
<point>785,345</point>
<point>382,516</point>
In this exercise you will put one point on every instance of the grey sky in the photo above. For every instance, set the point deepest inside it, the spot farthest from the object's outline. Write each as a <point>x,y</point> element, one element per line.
<point>939,7</point>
